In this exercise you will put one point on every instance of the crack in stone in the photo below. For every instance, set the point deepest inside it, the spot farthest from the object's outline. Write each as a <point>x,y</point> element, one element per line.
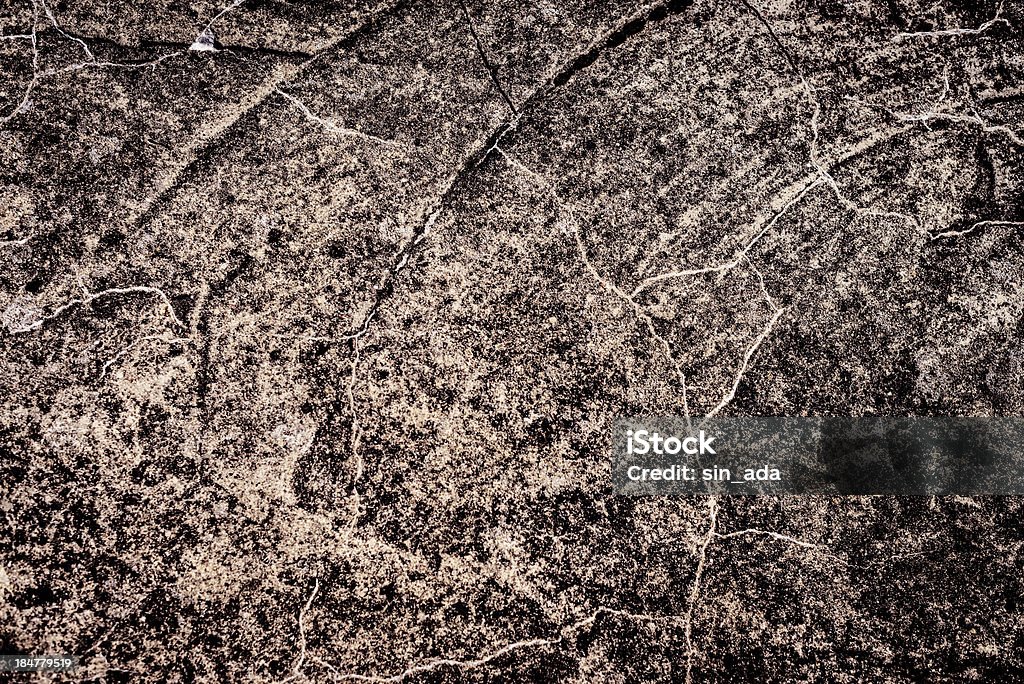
<point>491,69</point>
<point>330,126</point>
<point>726,266</point>
<point>635,25</point>
<point>482,660</point>
<point>638,310</point>
<point>182,48</point>
<point>765,533</point>
<point>615,37</point>
<point>979,224</point>
<point>300,660</point>
<point>751,350</point>
<point>205,40</point>
<point>821,549</point>
<point>976,119</point>
<point>695,587</point>
<point>433,665</point>
<point>23,104</point>
<point>96,64</point>
<point>810,91</point>
<point>934,114</point>
<point>997,19</point>
<point>812,98</point>
<point>91,62</point>
<point>89,297</point>
<point>760,280</point>
<point>148,338</point>
<point>199,152</point>
<point>53,20</point>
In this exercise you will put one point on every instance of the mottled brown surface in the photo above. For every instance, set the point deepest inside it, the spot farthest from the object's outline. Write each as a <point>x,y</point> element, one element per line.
<point>312,342</point>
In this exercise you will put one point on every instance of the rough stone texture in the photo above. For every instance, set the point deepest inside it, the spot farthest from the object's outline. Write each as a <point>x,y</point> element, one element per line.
<point>312,340</point>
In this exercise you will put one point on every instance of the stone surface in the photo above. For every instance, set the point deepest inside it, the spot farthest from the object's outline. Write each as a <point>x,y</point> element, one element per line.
<point>314,319</point>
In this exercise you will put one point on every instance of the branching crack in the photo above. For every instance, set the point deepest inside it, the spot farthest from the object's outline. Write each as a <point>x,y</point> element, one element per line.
<point>53,20</point>
<point>729,265</point>
<point>611,39</point>
<point>751,350</point>
<point>198,152</point>
<point>628,299</point>
<point>90,62</point>
<point>822,169</point>
<point>939,112</point>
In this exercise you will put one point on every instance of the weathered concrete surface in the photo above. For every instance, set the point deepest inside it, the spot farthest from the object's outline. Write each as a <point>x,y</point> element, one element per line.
<point>312,340</point>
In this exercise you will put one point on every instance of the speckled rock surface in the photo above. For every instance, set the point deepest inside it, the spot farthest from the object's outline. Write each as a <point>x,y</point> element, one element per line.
<point>314,319</point>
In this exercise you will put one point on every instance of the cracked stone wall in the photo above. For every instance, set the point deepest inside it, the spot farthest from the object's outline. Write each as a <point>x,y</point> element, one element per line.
<point>315,318</point>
